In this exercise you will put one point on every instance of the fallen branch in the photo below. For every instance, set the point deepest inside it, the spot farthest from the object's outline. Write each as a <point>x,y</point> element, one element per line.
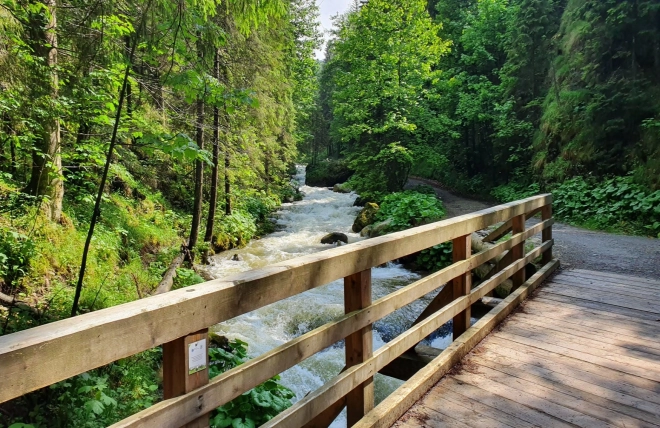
<point>11,301</point>
<point>166,283</point>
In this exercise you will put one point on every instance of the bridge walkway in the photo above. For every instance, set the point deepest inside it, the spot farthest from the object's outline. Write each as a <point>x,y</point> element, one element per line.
<point>583,351</point>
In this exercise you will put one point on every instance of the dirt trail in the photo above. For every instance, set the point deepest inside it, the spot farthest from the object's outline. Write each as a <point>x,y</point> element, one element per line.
<point>576,247</point>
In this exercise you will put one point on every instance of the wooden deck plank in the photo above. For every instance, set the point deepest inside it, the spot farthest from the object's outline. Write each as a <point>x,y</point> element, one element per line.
<point>582,351</point>
<point>553,392</point>
<point>622,290</point>
<point>614,362</point>
<point>611,281</point>
<point>530,400</point>
<point>462,414</point>
<point>510,407</point>
<point>548,294</point>
<point>607,283</point>
<point>590,318</point>
<point>636,358</point>
<point>582,391</point>
<point>591,273</point>
<point>604,297</point>
<point>647,393</point>
<point>477,407</point>
<point>587,335</point>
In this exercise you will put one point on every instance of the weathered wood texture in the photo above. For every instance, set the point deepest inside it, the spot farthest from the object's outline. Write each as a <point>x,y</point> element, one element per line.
<point>95,339</point>
<point>176,377</point>
<point>580,352</point>
<point>72,346</point>
<point>359,345</point>
<point>462,284</point>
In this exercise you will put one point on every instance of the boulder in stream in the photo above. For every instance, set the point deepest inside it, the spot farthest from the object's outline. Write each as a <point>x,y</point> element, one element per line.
<point>504,289</point>
<point>334,237</point>
<point>380,229</point>
<point>341,188</point>
<point>366,217</point>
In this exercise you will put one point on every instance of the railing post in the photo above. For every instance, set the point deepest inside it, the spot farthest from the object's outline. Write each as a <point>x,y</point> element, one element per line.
<point>186,368</point>
<point>546,235</point>
<point>359,345</point>
<point>518,251</point>
<point>462,249</point>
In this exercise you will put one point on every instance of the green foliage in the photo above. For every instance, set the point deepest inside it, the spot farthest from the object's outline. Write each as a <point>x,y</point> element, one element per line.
<point>253,408</point>
<point>97,398</point>
<point>385,172</point>
<point>409,209</point>
<point>234,231</point>
<point>16,252</point>
<point>615,204</point>
<point>435,258</point>
<point>514,191</point>
<point>186,277</point>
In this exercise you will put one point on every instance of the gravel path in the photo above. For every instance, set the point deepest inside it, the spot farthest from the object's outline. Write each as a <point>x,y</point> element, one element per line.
<point>576,247</point>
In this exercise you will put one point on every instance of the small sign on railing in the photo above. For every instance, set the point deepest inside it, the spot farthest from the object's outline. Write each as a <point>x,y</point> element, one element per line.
<point>197,356</point>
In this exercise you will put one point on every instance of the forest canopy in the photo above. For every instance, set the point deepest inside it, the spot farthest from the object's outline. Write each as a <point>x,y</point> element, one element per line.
<point>501,96</point>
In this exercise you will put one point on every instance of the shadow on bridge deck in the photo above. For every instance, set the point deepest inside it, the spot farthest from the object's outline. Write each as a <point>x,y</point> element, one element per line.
<point>584,351</point>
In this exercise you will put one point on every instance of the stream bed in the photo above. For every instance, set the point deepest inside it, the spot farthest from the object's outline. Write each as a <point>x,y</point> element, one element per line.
<point>301,225</point>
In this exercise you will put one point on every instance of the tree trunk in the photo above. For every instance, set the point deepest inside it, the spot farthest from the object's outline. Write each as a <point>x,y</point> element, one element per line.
<point>199,165</point>
<point>46,178</point>
<point>227,183</point>
<point>199,178</point>
<point>213,200</point>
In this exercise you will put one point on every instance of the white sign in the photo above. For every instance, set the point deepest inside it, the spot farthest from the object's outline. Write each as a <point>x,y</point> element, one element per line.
<point>197,356</point>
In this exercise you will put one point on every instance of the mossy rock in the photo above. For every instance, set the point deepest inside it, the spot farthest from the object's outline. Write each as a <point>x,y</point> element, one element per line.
<point>366,217</point>
<point>366,232</point>
<point>380,229</point>
<point>504,289</point>
<point>334,237</point>
<point>341,188</point>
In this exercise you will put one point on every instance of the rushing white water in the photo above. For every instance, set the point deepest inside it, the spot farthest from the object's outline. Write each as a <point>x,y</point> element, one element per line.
<point>302,225</point>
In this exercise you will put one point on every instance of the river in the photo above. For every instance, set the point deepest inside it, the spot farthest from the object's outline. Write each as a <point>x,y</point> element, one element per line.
<point>301,225</point>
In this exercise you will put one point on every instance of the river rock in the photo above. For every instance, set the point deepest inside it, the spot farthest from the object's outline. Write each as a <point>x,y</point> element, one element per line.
<point>341,188</point>
<point>366,217</point>
<point>478,244</point>
<point>483,270</point>
<point>334,237</point>
<point>380,229</point>
<point>504,289</point>
<point>366,232</point>
<point>236,258</point>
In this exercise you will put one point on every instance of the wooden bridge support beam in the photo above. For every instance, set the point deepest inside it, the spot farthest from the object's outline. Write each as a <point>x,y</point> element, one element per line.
<point>359,345</point>
<point>177,377</point>
<point>518,252</point>
<point>546,235</point>
<point>462,285</point>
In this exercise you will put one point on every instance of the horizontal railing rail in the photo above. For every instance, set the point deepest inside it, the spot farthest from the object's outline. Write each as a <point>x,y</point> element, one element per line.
<point>70,347</point>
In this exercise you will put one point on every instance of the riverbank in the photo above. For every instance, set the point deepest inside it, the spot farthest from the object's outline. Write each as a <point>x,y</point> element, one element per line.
<point>576,247</point>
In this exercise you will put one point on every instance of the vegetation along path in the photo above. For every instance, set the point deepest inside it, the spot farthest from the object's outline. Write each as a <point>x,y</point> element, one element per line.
<point>577,248</point>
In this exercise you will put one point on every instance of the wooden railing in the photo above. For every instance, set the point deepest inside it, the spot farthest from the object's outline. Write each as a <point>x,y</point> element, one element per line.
<point>41,356</point>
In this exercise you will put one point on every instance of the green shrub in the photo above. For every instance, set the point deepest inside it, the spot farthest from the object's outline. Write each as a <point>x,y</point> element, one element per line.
<point>260,205</point>
<point>383,173</point>
<point>185,278</point>
<point>514,191</point>
<point>435,258</point>
<point>16,252</point>
<point>254,407</point>
<point>97,398</point>
<point>234,231</point>
<point>616,204</point>
<point>409,209</point>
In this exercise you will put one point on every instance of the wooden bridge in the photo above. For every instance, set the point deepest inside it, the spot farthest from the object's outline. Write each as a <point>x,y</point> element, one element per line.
<point>583,351</point>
